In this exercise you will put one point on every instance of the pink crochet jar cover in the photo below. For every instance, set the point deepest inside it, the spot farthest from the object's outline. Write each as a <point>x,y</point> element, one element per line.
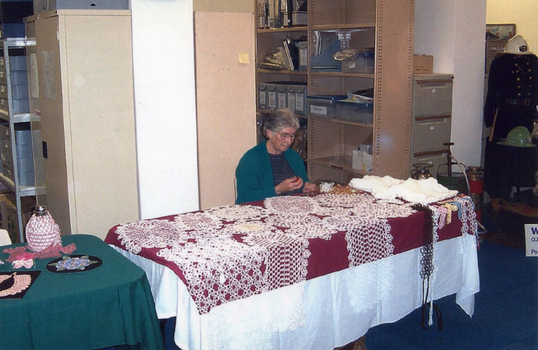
<point>42,232</point>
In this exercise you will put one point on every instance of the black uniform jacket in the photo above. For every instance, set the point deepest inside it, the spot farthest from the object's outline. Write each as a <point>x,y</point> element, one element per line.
<point>512,93</point>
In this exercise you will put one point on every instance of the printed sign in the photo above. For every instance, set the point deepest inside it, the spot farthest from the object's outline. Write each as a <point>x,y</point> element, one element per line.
<point>531,239</point>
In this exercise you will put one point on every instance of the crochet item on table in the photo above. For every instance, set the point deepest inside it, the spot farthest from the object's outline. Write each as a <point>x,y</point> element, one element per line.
<point>54,251</point>
<point>14,285</point>
<point>42,232</point>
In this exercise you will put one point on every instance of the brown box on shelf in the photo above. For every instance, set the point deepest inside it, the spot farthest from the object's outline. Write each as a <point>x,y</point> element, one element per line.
<point>422,64</point>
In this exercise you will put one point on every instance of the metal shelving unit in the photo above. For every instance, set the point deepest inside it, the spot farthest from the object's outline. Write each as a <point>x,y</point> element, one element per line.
<point>385,25</point>
<point>16,155</point>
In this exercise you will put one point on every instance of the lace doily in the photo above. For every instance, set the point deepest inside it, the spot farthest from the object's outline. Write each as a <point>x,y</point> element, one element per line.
<point>282,247</point>
<point>20,283</point>
<point>134,235</point>
<point>369,241</point>
<point>370,285</point>
<point>308,227</point>
<point>219,270</point>
<point>198,222</point>
<point>343,200</point>
<point>235,328</point>
<point>384,210</point>
<point>238,212</point>
<point>291,205</point>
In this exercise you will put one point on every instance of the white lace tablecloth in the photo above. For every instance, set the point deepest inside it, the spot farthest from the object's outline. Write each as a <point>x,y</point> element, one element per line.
<point>253,276</point>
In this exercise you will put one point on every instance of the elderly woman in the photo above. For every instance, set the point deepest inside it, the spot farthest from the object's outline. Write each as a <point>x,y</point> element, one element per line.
<point>272,168</point>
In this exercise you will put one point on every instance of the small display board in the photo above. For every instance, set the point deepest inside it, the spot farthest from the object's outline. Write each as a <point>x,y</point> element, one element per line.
<point>531,239</point>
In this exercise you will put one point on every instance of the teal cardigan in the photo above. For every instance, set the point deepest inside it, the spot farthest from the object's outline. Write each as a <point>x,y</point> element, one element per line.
<point>254,175</point>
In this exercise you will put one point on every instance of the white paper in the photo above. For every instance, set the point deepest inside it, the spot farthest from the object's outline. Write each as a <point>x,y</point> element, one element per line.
<point>531,239</point>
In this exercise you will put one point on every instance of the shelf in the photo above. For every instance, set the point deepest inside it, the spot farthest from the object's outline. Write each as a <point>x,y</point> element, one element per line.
<point>282,72</point>
<point>25,117</point>
<point>340,163</point>
<point>337,27</point>
<point>341,74</point>
<point>19,42</point>
<point>24,191</point>
<point>282,30</point>
<point>344,122</point>
<point>19,117</point>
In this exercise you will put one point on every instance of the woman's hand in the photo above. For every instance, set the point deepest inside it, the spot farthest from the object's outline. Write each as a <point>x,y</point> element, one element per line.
<point>289,185</point>
<point>310,188</point>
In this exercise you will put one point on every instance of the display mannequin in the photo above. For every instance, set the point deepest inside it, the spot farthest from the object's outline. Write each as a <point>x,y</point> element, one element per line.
<point>511,101</point>
<point>512,98</point>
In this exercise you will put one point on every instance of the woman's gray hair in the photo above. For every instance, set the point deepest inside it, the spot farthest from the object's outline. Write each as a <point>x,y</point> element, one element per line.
<point>280,119</point>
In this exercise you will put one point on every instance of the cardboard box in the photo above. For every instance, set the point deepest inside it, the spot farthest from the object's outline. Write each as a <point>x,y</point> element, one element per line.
<point>422,64</point>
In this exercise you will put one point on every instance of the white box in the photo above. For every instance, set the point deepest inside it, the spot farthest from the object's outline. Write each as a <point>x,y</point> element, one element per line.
<point>361,160</point>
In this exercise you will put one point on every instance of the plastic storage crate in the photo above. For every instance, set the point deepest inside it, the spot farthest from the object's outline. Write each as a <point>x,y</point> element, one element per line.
<point>358,112</point>
<point>361,62</point>
<point>323,105</point>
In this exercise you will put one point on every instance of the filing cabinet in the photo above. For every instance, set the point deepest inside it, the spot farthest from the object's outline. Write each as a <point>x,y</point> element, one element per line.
<point>432,118</point>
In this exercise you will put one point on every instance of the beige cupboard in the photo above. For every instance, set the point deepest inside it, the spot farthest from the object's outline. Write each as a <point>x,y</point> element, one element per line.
<point>81,84</point>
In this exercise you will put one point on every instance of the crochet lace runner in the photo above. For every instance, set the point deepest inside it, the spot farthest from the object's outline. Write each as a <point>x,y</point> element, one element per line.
<point>439,217</point>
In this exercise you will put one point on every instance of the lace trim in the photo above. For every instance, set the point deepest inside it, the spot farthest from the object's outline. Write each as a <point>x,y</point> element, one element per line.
<point>439,216</point>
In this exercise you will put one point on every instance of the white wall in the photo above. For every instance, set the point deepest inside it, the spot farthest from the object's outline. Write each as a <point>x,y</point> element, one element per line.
<point>521,12</point>
<point>163,57</point>
<point>454,31</point>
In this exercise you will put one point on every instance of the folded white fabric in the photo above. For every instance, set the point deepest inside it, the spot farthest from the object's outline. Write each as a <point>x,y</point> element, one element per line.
<point>416,191</point>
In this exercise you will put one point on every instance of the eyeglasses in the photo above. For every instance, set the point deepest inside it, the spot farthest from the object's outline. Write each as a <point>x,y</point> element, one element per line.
<point>285,135</point>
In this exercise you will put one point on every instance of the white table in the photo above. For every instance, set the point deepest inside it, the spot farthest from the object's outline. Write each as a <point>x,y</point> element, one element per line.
<point>324,312</point>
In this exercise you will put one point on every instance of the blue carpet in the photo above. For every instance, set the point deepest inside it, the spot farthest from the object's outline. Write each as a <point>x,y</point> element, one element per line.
<point>505,317</point>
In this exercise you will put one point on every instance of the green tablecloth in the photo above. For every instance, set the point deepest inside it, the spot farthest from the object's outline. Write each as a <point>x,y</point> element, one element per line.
<point>107,306</point>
